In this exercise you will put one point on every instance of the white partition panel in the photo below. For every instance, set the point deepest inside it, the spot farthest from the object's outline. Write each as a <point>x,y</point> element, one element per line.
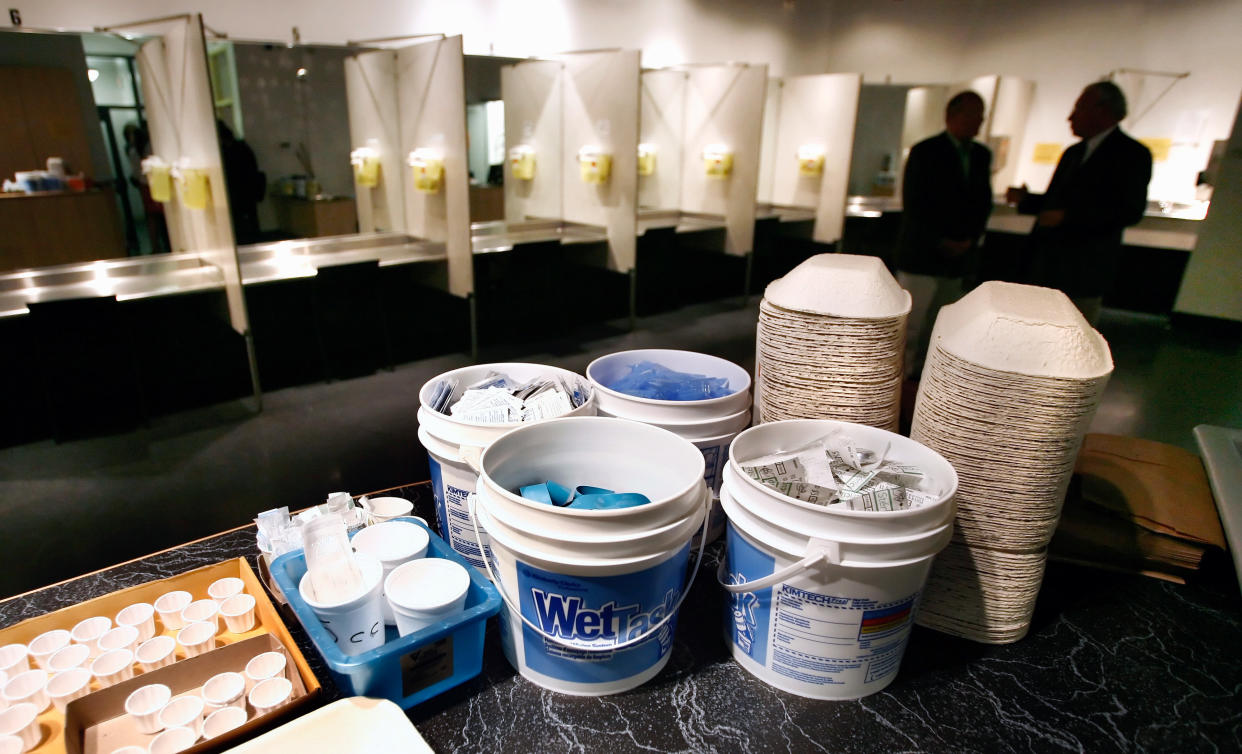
<point>431,100</point>
<point>723,106</point>
<point>532,92</point>
<point>818,111</point>
<point>181,116</point>
<point>1010,110</point>
<point>661,124</point>
<point>601,110</point>
<point>371,92</point>
<point>767,150</point>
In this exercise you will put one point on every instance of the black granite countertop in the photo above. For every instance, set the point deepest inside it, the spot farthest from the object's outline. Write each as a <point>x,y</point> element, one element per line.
<point>1112,663</point>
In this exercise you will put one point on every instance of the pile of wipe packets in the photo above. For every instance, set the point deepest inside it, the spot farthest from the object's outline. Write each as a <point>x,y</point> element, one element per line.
<point>647,379</point>
<point>832,471</point>
<point>280,533</point>
<point>499,399</point>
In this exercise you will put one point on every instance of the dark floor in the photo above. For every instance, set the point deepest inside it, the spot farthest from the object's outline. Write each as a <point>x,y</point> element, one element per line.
<point>74,507</point>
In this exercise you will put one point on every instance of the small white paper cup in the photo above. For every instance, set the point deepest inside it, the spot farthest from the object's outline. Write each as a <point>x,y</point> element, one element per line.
<point>12,745</point>
<point>90,631</point>
<point>202,611</point>
<point>265,666</point>
<point>224,720</point>
<point>140,615</point>
<point>270,694</point>
<point>156,652</point>
<point>426,591</point>
<point>130,750</point>
<point>169,607</point>
<point>224,690</point>
<point>121,637</point>
<point>221,589</point>
<point>238,612</point>
<point>184,712</point>
<point>29,687</point>
<point>144,706</point>
<point>173,740</point>
<point>22,721</point>
<point>381,509</point>
<point>63,688</point>
<point>14,658</point>
<point>197,638</point>
<point>72,656</point>
<point>43,646</point>
<point>112,667</point>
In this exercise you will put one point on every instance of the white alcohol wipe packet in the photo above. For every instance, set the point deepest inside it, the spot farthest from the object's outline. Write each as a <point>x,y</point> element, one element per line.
<point>833,470</point>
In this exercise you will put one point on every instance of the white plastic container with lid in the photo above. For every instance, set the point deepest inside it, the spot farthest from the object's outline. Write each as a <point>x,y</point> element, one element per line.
<point>454,446</point>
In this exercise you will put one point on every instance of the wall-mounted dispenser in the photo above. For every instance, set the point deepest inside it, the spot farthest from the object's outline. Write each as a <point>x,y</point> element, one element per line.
<point>366,162</point>
<point>717,160</point>
<point>428,167</point>
<point>811,159</point>
<point>595,164</point>
<point>192,185</point>
<point>522,162</point>
<point>646,159</point>
<point>159,178</point>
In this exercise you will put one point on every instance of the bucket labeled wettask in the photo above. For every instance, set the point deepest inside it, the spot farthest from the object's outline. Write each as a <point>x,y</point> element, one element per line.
<point>822,598</point>
<point>591,595</point>
<point>453,447</point>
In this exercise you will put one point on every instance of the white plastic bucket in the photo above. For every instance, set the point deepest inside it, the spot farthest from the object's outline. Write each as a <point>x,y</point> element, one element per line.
<point>591,595</point>
<point>453,447</point>
<point>823,599</point>
<point>710,424</point>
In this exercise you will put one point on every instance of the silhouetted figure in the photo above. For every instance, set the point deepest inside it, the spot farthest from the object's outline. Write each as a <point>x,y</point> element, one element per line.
<point>946,196</point>
<point>246,184</point>
<point>137,148</point>
<point>1099,188</point>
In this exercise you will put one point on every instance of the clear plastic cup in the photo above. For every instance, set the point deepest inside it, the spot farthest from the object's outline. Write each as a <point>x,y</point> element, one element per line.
<point>184,712</point>
<point>270,694</point>
<point>221,589</point>
<point>121,637</point>
<point>224,690</point>
<point>43,646</point>
<point>156,652</point>
<point>169,607</point>
<point>173,740</point>
<point>238,612</point>
<point>224,720</point>
<point>140,615</point>
<point>72,656</point>
<point>197,638</point>
<point>14,658</point>
<point>22,721</point>
<point>112,667</point>
<point>89,632</point>
<point>144,706</point>
<point>63,688</point>
<point>202,611</point>
<point>29,687</point>
<point>265,666</point>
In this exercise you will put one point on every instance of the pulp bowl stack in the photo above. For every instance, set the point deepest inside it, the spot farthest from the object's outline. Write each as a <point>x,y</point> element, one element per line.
<point>1012,380</point>
<point>830,342</point>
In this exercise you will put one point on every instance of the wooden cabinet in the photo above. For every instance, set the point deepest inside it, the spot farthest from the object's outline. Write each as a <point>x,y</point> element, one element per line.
<point>58,228</point>
<point>41,119</point>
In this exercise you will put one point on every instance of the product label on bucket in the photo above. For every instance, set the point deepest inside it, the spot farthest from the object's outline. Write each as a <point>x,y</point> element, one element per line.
<point>813,636</point>
<point>454,513</point>
<point>585,616</point>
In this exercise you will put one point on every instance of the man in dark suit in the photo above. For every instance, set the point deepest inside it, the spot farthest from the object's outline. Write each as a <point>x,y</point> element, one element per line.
<point>946,196</point>
<point>1099,188</point>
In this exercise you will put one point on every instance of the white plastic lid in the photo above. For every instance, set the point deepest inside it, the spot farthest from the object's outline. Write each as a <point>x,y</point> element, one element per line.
<point>841,285</point>
<point>1023,329</point>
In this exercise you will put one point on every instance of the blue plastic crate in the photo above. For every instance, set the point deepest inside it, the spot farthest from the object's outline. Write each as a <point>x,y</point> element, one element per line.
<point>406,669</point>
